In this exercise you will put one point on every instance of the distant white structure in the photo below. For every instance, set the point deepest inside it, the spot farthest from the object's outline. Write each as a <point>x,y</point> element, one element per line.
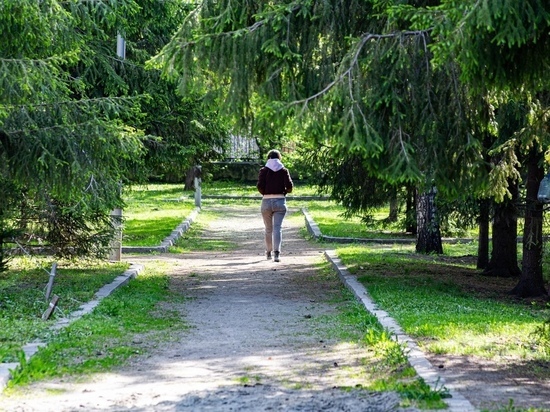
<point>243,149</point>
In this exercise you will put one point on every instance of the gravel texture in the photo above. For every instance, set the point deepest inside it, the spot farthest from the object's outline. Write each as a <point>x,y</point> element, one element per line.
<point>253,344</point>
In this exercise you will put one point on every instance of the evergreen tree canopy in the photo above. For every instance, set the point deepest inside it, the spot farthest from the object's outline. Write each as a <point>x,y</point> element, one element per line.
<point>363,74</point>
<point>57,138</point>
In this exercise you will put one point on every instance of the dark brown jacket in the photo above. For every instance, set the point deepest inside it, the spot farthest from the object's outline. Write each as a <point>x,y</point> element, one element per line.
<point>274,183</point>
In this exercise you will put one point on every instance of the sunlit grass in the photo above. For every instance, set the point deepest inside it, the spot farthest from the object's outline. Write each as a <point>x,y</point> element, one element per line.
<point>447,313</point>
<point>128,323</point>
<point>22,297</point>
<point>221,188</point>
<point>329,216</point>
<point>385,366</point>
<point>195,238</point>
<point>152,212</point>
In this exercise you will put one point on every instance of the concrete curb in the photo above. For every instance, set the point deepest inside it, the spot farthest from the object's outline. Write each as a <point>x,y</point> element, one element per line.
<point>31,348</point>
<point>170,240</point>
<point>314,231</point>
<point>417,359</point>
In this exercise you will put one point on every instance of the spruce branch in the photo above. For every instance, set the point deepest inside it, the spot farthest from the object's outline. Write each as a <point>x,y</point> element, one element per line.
<point>354,60</point>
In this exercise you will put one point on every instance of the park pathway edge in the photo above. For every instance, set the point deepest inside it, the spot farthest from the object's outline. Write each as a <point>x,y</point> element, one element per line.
<point>417,359</point>
<point>30,349</point>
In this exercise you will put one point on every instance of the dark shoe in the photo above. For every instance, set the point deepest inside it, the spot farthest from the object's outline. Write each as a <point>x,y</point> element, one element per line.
<point>268,255</point>
<point>276,257</point>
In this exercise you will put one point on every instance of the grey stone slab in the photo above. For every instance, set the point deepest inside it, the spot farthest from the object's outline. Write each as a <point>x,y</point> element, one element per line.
<point>30,349</point>
<point>417,359</point>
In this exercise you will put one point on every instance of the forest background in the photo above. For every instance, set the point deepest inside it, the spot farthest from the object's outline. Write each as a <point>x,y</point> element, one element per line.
<point>440,105</point>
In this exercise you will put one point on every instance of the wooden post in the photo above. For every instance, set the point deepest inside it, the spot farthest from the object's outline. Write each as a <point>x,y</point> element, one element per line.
<point>116,245</point>
<point>197,184</point>
<point>53,272</point>
<point>51,308</point>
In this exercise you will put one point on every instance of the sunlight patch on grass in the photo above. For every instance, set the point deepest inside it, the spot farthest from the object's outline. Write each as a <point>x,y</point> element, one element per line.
<point>153,212</point>
<point>196,238</point>
<point>427,299</point>
<point>134,319</point>
<point>22,299</point>
<point>220,188</point>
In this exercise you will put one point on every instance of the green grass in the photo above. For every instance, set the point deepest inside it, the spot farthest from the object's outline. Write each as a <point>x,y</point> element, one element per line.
<point>128,323</point>
<point>22,297</point>
<point>249,189</point>
<point>440,300</point>
<point>194,239</point>
<point>329,217</point>
<point>449,307</point>
<point>385,366</point>
<point>152,213</point>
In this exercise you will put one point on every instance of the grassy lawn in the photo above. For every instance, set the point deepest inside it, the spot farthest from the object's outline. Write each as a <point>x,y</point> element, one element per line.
<point>442,301</point>
<point>329,217</point>
<point>249,189</point>
<point>152,213</point>
<point>22,297</point>
<point>128,323</point>
<point>450,308</point>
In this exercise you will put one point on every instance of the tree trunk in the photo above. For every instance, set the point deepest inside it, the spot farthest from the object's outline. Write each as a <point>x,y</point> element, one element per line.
<point>531,282</point>
<point>504,256</point>
<point>394,207</point>
<point>483,239</point>
<point>190,178</point>
<point>428,239</point>
<point>410,212</point>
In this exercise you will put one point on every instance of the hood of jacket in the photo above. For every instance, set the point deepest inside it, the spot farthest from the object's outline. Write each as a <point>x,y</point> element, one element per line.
<point>274,164</point>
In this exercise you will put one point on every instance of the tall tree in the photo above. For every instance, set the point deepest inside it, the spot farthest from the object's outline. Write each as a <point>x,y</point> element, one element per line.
<point>505,47</point>
<point>63,151</point>
<point>180,130</point>
<point>362,74</point>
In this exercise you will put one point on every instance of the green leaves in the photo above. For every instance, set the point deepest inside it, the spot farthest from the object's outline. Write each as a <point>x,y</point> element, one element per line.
<point>502,44</point>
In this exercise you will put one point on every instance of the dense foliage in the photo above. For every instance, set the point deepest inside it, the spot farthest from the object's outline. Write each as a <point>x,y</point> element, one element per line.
<point>408,90</point>
<point>81,120</point>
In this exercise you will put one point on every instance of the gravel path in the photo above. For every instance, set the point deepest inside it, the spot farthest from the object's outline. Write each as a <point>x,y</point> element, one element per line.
<point>254,342</point>
<point>253,345</point>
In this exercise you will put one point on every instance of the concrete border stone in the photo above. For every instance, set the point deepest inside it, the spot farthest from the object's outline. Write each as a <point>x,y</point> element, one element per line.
<point>417,359</point>
<point>170,240</point>
<point>30,349</point>
<point>314,231</point>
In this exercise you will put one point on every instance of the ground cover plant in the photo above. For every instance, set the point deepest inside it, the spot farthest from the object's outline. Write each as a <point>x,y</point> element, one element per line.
<point>127,323</point>
<point>153,211</point>
<point>22,297</point>
<point>329,216</point>
<point>445,303</point>
<point>194,239</point>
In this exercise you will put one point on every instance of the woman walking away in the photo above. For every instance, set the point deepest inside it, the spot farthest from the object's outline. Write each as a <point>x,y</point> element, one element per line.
<point>274,183</point>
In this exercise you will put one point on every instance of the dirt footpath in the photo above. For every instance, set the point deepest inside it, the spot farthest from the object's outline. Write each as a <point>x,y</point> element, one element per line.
<point>253,344</point>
